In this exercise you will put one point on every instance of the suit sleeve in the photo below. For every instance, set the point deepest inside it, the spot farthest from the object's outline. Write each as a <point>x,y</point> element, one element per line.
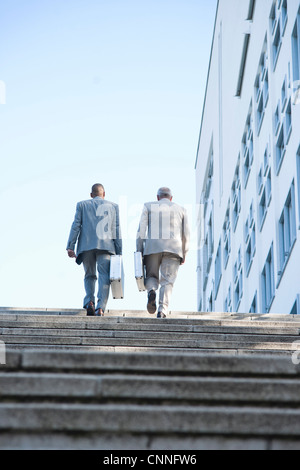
<point>142,230</point>
<point>117,232</point>
<point>185,234</point>
<point>75,229</point>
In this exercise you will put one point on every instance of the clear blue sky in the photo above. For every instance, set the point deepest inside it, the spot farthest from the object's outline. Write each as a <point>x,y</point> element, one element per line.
<point>97,91</point>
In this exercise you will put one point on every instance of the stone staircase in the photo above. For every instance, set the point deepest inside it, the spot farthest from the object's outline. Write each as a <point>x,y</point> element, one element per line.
<point>131,382</point>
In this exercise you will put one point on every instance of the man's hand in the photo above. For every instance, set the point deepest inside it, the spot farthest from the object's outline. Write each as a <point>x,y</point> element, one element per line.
<point>182,261</point>
<point>71,254</point>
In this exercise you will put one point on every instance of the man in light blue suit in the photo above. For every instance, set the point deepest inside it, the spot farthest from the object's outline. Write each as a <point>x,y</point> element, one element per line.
<point>96,230</point>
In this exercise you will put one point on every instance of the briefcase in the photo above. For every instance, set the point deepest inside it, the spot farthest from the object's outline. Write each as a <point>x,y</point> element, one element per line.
<point>117,276</point>
<point>139,270</point>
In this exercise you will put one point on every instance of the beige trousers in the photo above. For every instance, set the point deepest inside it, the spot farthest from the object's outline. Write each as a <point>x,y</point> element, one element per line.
<point>162,269</point>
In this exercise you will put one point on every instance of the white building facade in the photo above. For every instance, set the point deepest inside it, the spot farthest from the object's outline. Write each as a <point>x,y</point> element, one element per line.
<point>248,161</point>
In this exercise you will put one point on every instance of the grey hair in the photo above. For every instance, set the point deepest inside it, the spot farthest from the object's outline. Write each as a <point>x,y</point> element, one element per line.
<point>164,192</point>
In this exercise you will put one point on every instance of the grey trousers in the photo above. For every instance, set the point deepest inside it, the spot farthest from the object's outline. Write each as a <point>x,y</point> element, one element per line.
<point>162,270</point>
<point>96,262</point>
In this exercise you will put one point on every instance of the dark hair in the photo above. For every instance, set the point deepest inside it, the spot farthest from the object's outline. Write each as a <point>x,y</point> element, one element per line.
<point>97,188</point>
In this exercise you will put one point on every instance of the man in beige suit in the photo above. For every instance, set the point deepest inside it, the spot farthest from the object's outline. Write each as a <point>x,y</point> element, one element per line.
<point>163,239</point>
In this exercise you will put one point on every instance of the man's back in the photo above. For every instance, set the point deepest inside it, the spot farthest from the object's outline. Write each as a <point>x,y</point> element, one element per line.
<point>96,225</point>
<point>96,231</point>
<point>163,228</point>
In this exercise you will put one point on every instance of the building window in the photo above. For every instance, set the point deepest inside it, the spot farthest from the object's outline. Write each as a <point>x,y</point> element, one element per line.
<point>250,251</point>
<point>296,306</point>
<point>210,303</point>
<point>249,224</point>
<point>283,16</point>
<point>298,179</point>
<point>268,187</point>
<point>278,21</point>
<point>210,242</point>
<point>266,160</point>
<point>236,196</point>
<point>200,305</point>
<point>250,240</point>
<point>260,181</point>
<point>228,301</point>
<point>247,146</point>
<point>238,291</point>
<point>280,149</point>
<point>276,44</point>
<point>209,178</point>
<point>238,281</point>
<point>218,269</point>
<point>288,123</point>
<point>273,19</point>
<point>243,65</point>
<point>287,230</point>
<point>296,49</point>
<point>208,249</point>
<point>282,125</point>
<point>207,191</point>
<point>264,186</point>
<point>267,282</point>
<point>251,10</point>
<point>260,113</point>
<point>284,94</point>
<point>263,209</point>
<point>261,86</point>
<point>253,308</point>
<point>227,236</point>
<point>277,117</point>
<point>248,160</point>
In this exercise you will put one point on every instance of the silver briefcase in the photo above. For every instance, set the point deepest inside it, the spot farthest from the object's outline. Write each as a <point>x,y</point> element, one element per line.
<point>117,276</point>
<point>139,270</point>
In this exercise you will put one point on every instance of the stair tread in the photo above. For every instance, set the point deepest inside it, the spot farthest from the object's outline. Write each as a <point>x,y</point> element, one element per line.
<point>127,376</point>
<point>193,420</point>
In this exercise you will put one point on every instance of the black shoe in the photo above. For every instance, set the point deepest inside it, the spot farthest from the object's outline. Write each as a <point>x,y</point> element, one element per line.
<point>90,309</point>
<point>151,305</point>
<point>161,315</point>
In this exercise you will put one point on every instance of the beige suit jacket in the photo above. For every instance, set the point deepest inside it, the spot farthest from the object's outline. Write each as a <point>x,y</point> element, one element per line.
<point>163,228</point>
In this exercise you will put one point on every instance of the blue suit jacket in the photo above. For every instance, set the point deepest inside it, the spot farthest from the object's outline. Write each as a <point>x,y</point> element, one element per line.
<point>96,226</point>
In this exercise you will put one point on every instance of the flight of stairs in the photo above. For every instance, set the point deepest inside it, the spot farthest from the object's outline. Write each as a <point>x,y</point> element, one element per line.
<point>130,381</point>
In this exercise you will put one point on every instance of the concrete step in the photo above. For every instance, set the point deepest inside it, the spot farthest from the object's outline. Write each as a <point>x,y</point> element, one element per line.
<point>9,312</point>
<point>144,419</point>
<point>142,324</point>
<point>99,343</point>
<point>134,382</point>
<point>162,446</point>
<point>150,363</point>
<point>135,349</point>
<point>285,324</point>
<point>200,333</point>
<point>90,335</point>
<point>18,330</point>
<point>100,388</point>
